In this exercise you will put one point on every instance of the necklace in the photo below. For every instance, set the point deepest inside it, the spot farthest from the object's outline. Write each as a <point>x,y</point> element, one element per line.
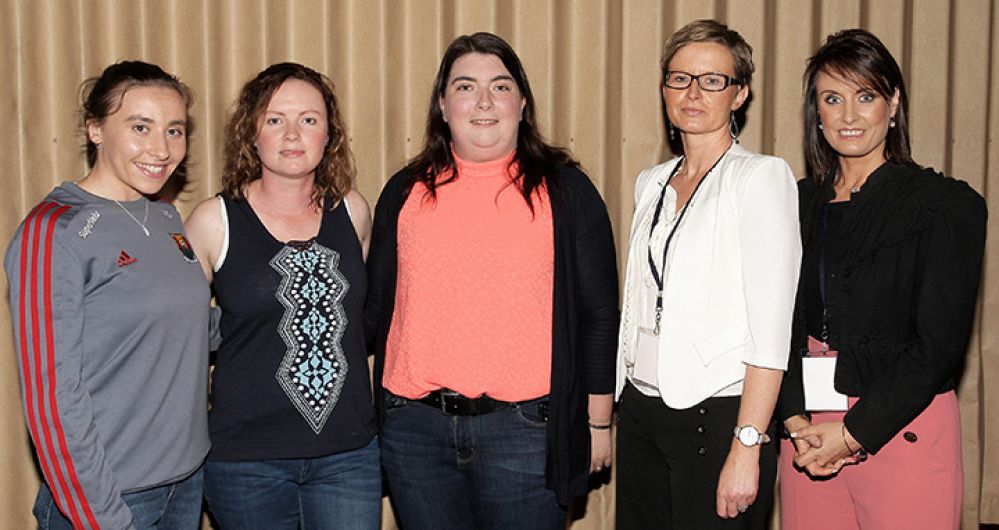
<point>145,217</point>
<point>854,188</point>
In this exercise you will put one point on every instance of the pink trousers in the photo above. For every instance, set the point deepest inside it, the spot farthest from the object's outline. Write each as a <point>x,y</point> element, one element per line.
<point>915,482</point>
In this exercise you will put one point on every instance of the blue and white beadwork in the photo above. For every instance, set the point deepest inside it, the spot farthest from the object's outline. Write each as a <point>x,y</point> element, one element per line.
<point>314,367</point>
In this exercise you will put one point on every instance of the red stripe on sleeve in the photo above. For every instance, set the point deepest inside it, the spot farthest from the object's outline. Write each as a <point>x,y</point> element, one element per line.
<point>61,491</point>
<point>50,355</point>
<point>26,366</point>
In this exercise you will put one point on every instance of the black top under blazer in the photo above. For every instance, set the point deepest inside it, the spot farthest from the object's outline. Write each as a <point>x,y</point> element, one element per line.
<point>585,319</point>
<point>902,284</point>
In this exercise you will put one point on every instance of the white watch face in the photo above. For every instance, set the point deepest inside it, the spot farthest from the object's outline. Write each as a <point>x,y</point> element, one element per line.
<point>749,436</point>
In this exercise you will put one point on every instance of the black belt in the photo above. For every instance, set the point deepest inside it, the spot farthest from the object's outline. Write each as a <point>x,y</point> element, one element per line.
<point>452,403</point>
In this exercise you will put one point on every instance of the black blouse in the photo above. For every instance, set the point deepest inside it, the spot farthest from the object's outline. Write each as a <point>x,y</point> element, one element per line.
<point>831,214</point>
<point>901,288</point>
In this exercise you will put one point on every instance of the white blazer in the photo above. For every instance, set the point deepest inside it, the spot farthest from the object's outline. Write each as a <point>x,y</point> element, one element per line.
<point>734,265</point>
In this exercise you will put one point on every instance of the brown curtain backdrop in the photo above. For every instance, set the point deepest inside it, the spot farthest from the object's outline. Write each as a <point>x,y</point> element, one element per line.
<point>594,69</point>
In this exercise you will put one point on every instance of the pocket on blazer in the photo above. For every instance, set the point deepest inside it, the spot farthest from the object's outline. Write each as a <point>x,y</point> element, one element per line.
<point>721,342</point>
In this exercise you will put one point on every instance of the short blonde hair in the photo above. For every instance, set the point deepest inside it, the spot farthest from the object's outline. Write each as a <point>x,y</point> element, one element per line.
<point>709,30</point>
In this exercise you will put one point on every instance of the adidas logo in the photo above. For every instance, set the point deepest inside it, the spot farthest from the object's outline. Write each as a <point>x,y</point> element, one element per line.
<point>124,259</point>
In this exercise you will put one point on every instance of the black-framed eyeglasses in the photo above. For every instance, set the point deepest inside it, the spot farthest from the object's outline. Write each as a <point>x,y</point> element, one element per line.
<point>710,81</point>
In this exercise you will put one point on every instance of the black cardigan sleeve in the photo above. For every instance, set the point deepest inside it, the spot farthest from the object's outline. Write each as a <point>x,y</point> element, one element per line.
<point>596,284</point>
<point>381,262</point>
<point>948,272</point>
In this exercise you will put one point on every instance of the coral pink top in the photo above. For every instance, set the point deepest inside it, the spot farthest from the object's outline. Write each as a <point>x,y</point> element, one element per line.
<point>473,302</point>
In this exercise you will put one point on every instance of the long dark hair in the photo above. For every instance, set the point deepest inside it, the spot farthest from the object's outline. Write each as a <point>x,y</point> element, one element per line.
<point>102,96</point>
<point>858,56</point>
<point>335,172</point>
<point>536,160</point>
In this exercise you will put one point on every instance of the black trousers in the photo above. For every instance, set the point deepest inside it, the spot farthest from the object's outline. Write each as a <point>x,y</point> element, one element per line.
<point>669,461</point>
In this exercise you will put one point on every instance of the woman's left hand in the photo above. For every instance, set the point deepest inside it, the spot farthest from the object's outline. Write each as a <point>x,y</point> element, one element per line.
<point>600,450</point>
<point>600,412</point>
<point>739,480</point>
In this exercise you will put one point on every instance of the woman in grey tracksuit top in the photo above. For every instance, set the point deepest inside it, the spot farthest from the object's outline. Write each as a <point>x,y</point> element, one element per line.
<point>110,313</point>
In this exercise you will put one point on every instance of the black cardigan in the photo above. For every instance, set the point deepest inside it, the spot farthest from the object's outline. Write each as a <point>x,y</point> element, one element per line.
<point>901,284</point>
<point>585,323</point>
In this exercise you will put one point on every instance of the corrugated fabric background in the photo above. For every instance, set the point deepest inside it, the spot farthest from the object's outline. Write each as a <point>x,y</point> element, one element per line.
<point>593,65</point>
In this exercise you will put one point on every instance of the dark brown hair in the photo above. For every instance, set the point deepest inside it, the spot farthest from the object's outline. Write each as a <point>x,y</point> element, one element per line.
<point>857,56</point>
<point>335,172</point>
<point>102,96</point>
<point>537,160</point>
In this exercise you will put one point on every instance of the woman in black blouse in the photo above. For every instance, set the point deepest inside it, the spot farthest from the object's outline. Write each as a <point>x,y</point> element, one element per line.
<point>892,260</point>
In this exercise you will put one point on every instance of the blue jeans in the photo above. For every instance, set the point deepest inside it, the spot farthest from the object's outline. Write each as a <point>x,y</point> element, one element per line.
<point>342,490</point>
<point>174,506</point>
<point>467,472</point>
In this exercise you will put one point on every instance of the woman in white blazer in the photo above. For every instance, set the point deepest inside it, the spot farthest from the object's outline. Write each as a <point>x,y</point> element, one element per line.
<point>709,291</point>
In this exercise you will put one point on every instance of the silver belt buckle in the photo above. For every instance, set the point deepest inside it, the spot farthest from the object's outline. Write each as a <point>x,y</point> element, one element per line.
<point>450,402</point>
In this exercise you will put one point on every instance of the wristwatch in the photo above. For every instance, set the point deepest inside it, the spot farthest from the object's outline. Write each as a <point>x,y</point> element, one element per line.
<point>750,436</point>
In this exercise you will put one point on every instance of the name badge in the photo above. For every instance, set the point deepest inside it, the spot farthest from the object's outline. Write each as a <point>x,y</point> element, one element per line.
<point>646,369</point>
<point>818,374</point>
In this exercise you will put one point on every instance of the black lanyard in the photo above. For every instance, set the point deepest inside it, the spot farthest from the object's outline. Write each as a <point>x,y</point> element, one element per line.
<point>823,244</point>
<point>656,275</point>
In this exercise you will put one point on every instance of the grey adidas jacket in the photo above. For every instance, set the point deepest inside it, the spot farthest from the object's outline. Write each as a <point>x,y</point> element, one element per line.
<point>111,329</point>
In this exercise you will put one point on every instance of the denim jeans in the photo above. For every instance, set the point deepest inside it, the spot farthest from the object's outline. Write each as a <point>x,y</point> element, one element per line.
<point>467,472</point>
<point>342,490</point>
<point>175,506</point>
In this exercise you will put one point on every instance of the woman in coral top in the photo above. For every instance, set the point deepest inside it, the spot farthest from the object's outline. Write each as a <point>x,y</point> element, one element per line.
<point>493,307</point>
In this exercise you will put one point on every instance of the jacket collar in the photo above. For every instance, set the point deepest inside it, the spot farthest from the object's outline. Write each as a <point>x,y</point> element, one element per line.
<point>876,180</point>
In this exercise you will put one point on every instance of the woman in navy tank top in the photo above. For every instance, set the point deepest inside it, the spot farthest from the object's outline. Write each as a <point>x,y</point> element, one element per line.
<point>292,423</point>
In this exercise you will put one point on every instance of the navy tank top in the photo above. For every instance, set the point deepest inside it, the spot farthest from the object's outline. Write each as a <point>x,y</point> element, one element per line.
<point>291,376</point>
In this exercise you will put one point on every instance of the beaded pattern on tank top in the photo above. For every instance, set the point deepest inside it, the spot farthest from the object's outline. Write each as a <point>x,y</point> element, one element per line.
<point>314,367</point>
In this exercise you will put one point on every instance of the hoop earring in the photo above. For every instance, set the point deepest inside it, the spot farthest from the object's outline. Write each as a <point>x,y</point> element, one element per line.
<point>733,127</point>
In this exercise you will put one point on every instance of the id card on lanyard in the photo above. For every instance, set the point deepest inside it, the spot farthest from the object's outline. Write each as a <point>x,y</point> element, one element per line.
<point>818,368</point>
<point>645,371</point>
<point>646,368</point>
<point>818,373</point>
